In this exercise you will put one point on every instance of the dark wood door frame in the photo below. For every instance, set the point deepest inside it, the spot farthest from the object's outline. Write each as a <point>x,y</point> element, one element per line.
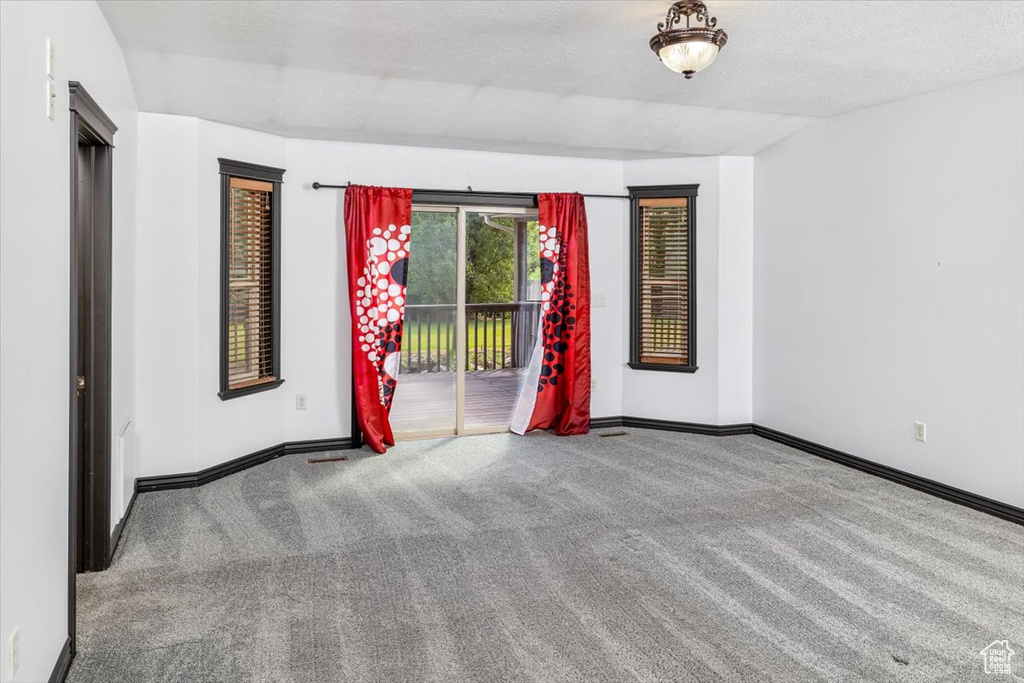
<point>92,146</point>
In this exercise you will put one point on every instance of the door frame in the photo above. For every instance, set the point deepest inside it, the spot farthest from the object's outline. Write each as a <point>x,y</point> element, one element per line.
<point>89,490</point>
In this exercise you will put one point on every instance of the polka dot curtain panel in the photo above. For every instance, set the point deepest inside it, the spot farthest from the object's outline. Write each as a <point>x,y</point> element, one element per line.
<point>377,239</point>
<point>556,393</point>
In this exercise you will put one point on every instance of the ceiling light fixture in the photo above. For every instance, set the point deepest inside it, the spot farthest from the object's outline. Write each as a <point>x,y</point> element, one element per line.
<point>691,49</point>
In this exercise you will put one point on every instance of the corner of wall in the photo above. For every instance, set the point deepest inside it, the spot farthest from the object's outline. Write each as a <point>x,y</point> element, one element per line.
<point>735,289</point>
<point>167,294</point>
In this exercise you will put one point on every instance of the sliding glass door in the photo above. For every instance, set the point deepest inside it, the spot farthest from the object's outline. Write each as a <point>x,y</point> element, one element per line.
<point>471,319</point>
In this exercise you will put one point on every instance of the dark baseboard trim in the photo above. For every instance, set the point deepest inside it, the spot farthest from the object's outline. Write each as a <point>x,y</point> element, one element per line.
<point>605,422</point>
<point>672,426</point>
<point>316,445</point>
<point>944,491</point>
<point>115,535</point>
<point>63,665</point>
<point>688,427</point>
<point>937,489</point>
<point>193,479</point>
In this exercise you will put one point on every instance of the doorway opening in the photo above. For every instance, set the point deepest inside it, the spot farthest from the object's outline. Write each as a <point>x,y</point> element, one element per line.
<point>471,318</point>
<point>92,145</point>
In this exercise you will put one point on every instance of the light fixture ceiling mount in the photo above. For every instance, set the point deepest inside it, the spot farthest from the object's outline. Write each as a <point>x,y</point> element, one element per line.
<point>691,49</point>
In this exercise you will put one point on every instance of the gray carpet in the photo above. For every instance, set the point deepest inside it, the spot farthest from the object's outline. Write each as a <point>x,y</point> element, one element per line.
<point>649,557</point>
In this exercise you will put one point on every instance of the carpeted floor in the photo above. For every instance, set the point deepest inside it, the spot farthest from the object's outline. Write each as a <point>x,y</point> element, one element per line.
<point>651,557</point>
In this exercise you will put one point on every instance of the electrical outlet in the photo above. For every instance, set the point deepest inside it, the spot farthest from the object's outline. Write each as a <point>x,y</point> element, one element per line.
<point>598,300</point>
<point>921,431</point>
<point>13,654</point>
<point>593,384</point>
<point>300,401</point>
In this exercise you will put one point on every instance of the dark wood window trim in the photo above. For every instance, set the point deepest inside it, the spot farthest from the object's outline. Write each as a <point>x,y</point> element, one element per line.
<point>239,169</point>
<point>662,191</point>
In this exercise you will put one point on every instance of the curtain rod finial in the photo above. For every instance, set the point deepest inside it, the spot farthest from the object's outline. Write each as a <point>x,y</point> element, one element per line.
<point>316,185</point>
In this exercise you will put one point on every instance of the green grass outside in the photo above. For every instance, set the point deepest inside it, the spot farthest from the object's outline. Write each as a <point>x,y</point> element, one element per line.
<point>418,338</point>
<point>418,335</point>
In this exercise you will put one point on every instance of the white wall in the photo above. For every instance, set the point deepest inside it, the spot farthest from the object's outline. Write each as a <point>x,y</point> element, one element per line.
<point>34,307</point>
<point>736,290</point>
<point>167,432</point>
<point>178,267</point>
<point>890,285</point>
<point>183,426</point>
<point>719,391</point>
<point>229,429</point>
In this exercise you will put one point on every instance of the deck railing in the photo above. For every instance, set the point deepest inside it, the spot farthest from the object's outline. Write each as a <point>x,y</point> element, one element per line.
<point>497,336</point>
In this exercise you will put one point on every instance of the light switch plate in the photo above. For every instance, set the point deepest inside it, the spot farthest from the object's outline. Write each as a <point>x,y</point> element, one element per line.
<point>49,58</point>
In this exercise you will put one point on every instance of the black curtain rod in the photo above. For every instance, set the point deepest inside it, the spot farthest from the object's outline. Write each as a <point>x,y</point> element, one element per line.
<point>469,188</point>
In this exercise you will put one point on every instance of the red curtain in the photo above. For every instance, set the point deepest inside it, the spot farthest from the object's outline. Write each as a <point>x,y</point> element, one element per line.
<point>556,393</point>
<point>377,249</point>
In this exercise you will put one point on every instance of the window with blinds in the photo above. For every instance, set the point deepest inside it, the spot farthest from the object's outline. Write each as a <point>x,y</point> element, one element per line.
<point>663,312</point>
<point>250,215</point>
<point>250,330</point>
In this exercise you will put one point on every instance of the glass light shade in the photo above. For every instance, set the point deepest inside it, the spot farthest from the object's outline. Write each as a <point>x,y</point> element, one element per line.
<point>688,57</point>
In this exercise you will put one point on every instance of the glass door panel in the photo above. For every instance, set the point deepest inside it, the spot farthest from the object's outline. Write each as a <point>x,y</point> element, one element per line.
<point>425,398</point>
<point>500,319</point>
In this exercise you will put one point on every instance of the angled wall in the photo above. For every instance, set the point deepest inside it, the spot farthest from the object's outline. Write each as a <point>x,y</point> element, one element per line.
<point>889,285</point>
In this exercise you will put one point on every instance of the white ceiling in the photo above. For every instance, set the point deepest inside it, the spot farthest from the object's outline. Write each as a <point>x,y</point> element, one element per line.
<point>574,78</point>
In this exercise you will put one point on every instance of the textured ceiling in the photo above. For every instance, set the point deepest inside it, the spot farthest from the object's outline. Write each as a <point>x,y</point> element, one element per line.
<point>549,77</point>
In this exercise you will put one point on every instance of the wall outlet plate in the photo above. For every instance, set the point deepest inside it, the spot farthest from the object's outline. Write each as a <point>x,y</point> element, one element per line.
<point>921,431</point>
<point>300,401</point>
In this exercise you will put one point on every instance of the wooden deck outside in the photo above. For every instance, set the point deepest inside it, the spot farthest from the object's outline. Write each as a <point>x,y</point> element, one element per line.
<point>427,400</point>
